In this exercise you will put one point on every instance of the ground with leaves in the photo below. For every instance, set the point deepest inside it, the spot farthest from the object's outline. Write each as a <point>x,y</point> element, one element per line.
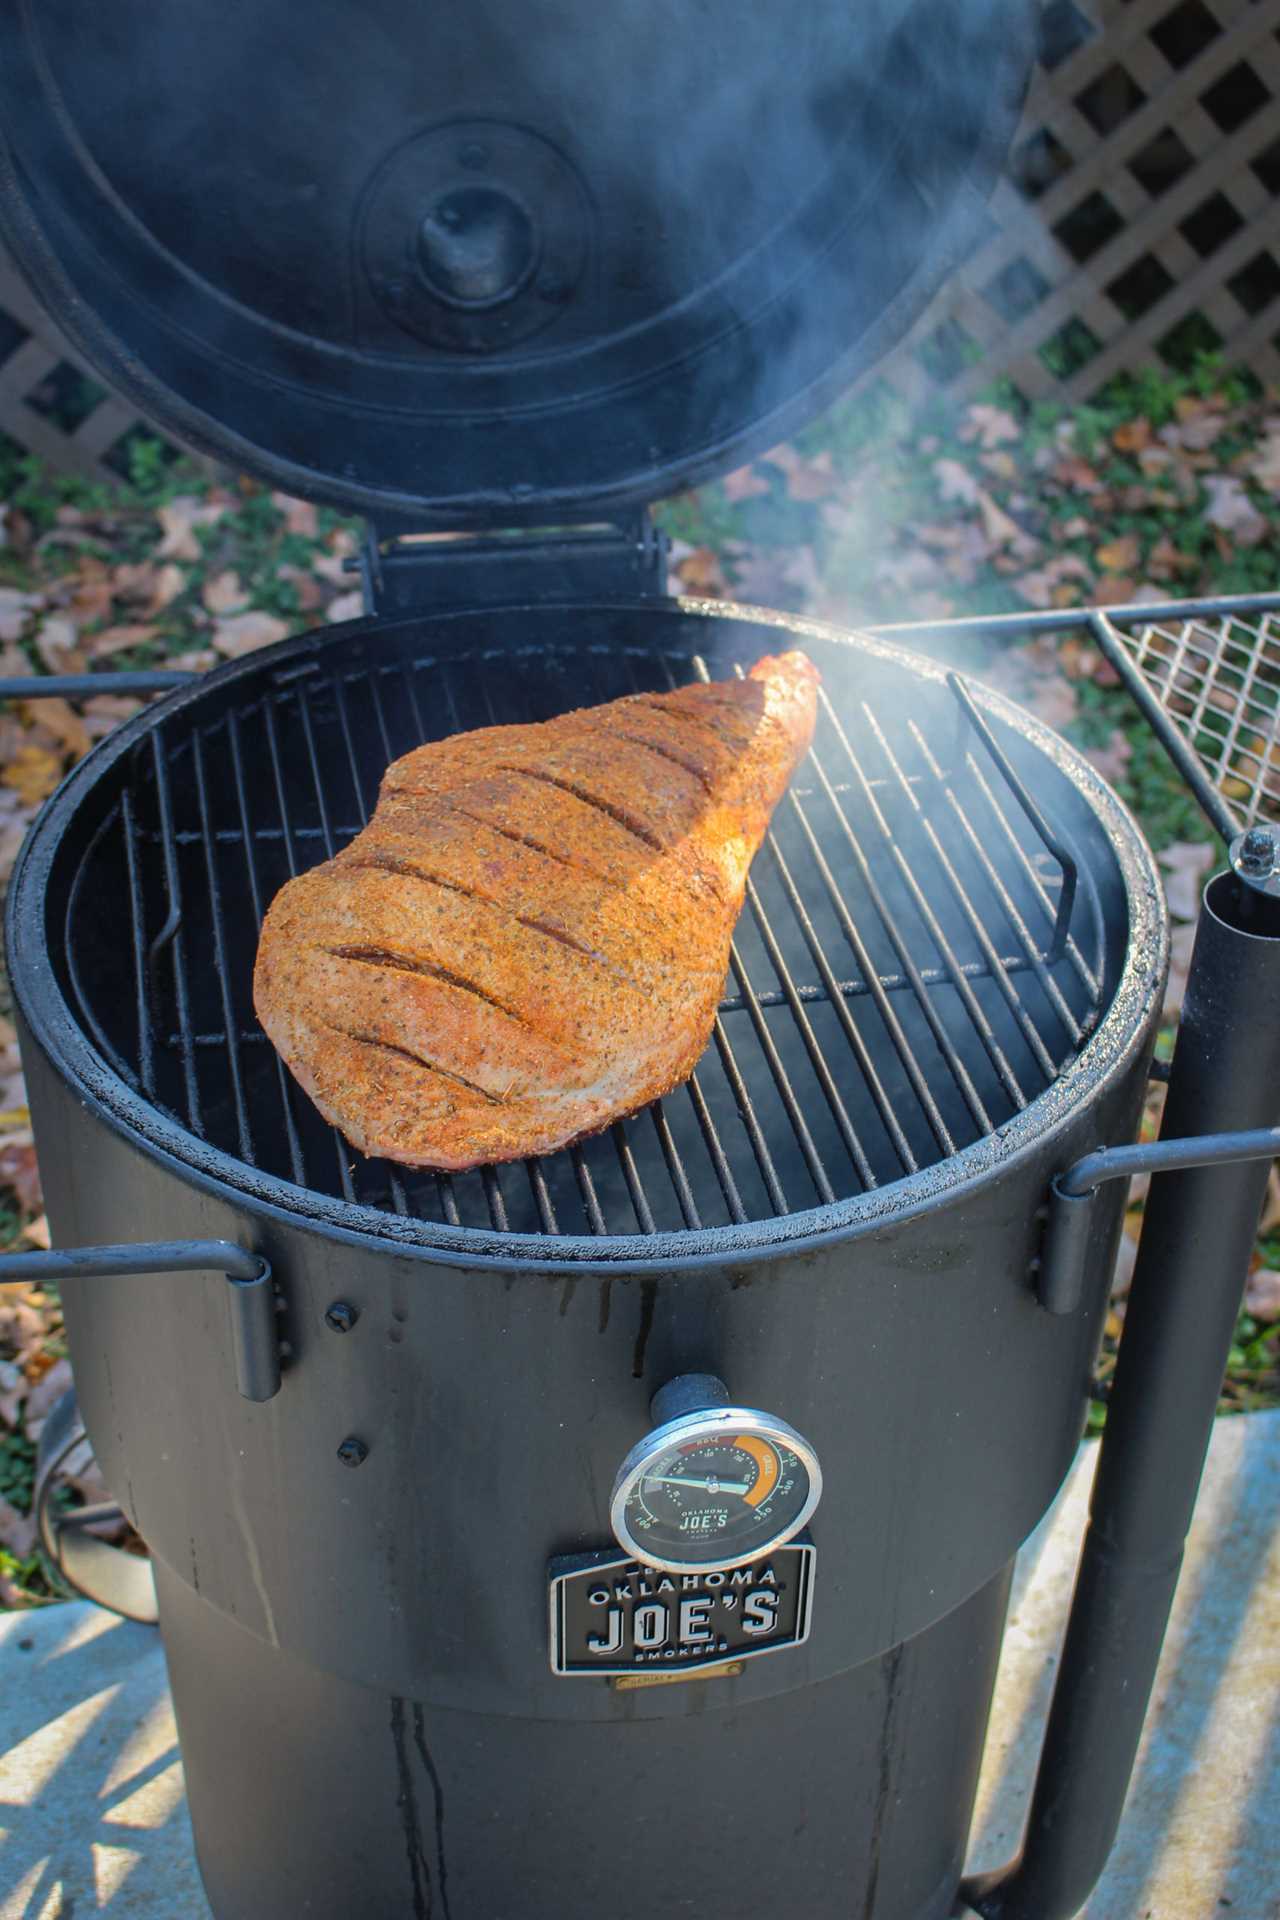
<point>1171,488</point>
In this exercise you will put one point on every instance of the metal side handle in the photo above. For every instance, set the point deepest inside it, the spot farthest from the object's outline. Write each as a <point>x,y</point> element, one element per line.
<point>251,1298</point>
<point>1198,1232</point>
<point>77,1558</point>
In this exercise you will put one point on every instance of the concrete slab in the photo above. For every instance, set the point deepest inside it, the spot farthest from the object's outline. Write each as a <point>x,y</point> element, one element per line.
<point>93,1819</point>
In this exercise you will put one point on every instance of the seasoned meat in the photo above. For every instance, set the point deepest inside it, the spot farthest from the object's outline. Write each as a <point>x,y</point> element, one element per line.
<point>531,936</point>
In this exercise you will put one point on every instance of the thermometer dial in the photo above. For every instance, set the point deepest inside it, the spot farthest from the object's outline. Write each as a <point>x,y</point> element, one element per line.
<point>713,1488</point>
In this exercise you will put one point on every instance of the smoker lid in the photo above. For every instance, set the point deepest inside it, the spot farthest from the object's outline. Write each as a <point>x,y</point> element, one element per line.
<point>476,262</point>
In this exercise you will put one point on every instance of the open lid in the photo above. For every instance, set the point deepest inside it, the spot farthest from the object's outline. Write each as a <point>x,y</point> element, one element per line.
<point>481,261</point>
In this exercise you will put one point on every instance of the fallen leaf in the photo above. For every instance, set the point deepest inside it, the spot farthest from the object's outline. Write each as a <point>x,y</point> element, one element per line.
<point>37,1232</point>
<point>1120,556</point>
<point>119,639</point>
<point>1179,966</point>
<point>55,639</point>
<point>955,482</point>
<point>1195,431</point>
<point>1076,475</point>
<point>1112,761</point>
<point>62,721</point>
<point>1126,1258</point>
<point>18,1170</point>
<point>1231,510</point>
<point>1054,700</point>
<point>16,610</point>
<point>43,1397</point>
<point>105,711</point>
<point>33,773</point>
<point>179,519</point>
<point>774,576</point>
<point>1165,561</point>
<point>744,484</point>
<point>345,606</point>
<point>1049,586</point>
<point>999,527</point>
<point>1185,863</point>
<point>17,1531</point>
<point>807,479</point>
<point>225,593</point>
<point>1116,590</point>
<point>1002,465</point>
<point>698,572</point>
<point>1262,1294</point>
<point>1264,464</point>
<point>1271,1206</point>
<point>299,515</point>
<point>170,581</point>
<point>196,660</point>
<point>1132,436</point>
<point>310,593</point>
<point>332,565</point>
<point>246,632</point>
<point>990,427</point>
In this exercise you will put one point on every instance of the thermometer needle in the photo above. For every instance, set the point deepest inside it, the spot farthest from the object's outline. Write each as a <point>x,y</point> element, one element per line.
<point>687,1480</point>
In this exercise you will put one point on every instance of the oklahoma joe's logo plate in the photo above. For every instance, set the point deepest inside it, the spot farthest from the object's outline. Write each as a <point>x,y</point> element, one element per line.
<point>610,1614</point>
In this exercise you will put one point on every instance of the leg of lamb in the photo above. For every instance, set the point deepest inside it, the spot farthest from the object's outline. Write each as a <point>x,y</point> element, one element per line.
<point>530,937</point>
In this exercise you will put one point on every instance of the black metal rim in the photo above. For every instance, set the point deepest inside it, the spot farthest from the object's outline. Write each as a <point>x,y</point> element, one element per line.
<point>1121,1034</point>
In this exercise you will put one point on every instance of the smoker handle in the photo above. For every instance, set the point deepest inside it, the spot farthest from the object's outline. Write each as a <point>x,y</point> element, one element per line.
<point>83,686</point>
<point>93,1568</point>
<point>1198,1233</point>
<point>251,1298</point>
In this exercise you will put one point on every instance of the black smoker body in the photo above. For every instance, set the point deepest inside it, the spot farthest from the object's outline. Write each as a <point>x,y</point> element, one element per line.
<point>545,275</point>
<point>359,1659</point>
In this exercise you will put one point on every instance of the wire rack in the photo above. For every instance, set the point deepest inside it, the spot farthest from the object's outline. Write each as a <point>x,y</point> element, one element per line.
<point>1205,674</point>
<point>1219,680</point>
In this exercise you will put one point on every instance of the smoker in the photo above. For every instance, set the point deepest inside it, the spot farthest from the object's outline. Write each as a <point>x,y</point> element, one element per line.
<point>388,1434</point>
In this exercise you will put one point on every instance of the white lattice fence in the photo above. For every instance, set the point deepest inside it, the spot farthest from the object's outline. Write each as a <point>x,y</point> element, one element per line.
<point>1140,217</point>
<point>50,402</point>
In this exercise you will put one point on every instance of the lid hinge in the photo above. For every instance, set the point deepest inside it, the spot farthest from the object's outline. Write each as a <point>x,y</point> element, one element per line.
<point>413,572</point>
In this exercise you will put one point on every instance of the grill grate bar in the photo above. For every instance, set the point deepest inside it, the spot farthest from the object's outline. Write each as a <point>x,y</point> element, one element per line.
<point>848,1132</point>
<point>813,1160</point>
<point>675,1165</point>
<point>586,1187</point>
<point>286,822</point>
<point>171,934</point>
<point>137,931</point>
<point>1087,976</point>
<point>973,919</point>
<point>448,1199</point>
<point>747,1113</point>
<point>955,1065</point>
<point>1030,956</point>
<point>835,992</point>
<point>906,871</point>
<point>284,1079</point>
<point>244,1132</point>
<point>542,1196</point>
<point>893,1026</point>
<point>719,1158</point>
<point>631,1174</point>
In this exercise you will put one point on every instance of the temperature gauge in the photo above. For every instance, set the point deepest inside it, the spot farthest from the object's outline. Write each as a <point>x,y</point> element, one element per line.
<point>712,1486</point>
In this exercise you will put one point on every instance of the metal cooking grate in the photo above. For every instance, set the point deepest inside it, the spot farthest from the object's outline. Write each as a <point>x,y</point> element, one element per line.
<point>1219,678</point>
<point>903,981</point>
